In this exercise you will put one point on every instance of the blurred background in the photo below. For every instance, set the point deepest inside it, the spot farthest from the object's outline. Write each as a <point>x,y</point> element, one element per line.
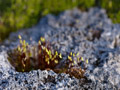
<point>18,14</point>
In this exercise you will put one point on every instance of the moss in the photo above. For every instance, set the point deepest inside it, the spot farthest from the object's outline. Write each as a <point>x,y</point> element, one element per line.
<point>41,56</point>
<point>25,57</point>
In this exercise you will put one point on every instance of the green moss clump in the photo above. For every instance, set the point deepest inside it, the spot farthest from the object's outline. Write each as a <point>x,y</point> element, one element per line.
<point>41,56</point>
<point>25,57</point>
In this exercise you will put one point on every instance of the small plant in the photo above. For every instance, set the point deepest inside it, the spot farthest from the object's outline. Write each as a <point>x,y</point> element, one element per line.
<point>74,69</point>
<point>41,56</point>
<point>72,66</point>
<point>28,57</point>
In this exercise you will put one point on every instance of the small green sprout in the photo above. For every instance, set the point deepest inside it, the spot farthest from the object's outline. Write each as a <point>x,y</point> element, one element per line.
<point>56,53</point>
<point>74,62</point>
<point>19,37</point>
<point>42,39</point>
<point>77,54</point>
<point>87,61</point>
<point>56,61</point>
<point>71,53</point>
<point>78,59</point>
<point>82,59</point>
<point>69,58</point>
<point>60,55</point>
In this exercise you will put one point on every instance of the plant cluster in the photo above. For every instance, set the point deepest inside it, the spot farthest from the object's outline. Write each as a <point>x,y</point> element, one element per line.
<point>74,60</point>
<point>28,57</point>
<point>78,59</point>
<point>41,56</point>
<point>72,66</point>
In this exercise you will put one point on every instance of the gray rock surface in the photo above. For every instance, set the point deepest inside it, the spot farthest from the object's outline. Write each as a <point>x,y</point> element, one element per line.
<point>90,33</point>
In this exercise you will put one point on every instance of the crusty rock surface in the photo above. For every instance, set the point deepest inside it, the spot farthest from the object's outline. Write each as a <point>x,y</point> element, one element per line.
<point>90,33</point>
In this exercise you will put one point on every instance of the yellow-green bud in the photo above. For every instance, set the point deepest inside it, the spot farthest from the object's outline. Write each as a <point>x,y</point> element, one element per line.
<point>82,59</point>
<point>60,55</point>
<point>71,53</point>
<point>56,53</point>
<point>77,54</point>
<point>87,61</point>
<point>69,58</point>
<point>56,61</point>
<point>75,62</point>
<point>42,39</point>
<point>19,37</point>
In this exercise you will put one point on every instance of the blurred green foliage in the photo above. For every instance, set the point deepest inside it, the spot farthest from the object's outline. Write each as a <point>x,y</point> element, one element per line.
<point>18,14</point>
<point>113,9</point>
